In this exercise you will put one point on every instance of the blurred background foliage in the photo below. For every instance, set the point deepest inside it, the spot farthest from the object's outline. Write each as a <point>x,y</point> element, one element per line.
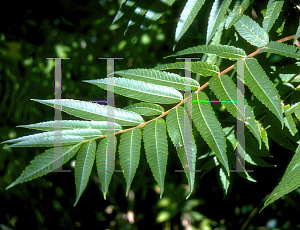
<point>81,30</point>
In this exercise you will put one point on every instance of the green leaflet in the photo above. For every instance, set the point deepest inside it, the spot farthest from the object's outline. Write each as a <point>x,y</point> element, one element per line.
<point>141,90</point>
<point>156,149</point>
<point>129,152</point>
<point>248,156</point>
<point>297,35</point>
<point>147,109</point>
<point>209,165</point>
<point>216,16</point>
<point>158,77</point>
<point>158,8</point>
<point>50,139</point>
<point>297,114</point>
<point>45,163</point>
<point>225,180</point>
<point>223,51</point>
<point>83,167</point>
<point>94,111</point>
<point>213,58</point>
<point>260,85</point>
<point>72,124</point>
<point>289,122</point>
<point>251,31</point>
<point>105,161</point>
<point>124,7</point>
<point>276,132</point>
<point>226,91</point>
<point>282,49</point>
<point>181,136</point>
<point>202,68</point>
<point>234,161</point>
<point>273,9</point>
<point>289,182</point>
<point>264,137</point>
<point>237,13</point>
<point>187,16</point>
<point>294,108</point>
<point>209,127</point>
<point>138,13</point>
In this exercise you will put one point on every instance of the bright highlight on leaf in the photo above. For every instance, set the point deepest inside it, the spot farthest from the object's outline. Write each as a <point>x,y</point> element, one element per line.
<point>158,77</point>
<point>52,139</point>
<point>72,124</point>
<point>223,51</point>
<point>147,109</point>
<point>141,90</point>
<point>94,111</point>
<point>203,68</point>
